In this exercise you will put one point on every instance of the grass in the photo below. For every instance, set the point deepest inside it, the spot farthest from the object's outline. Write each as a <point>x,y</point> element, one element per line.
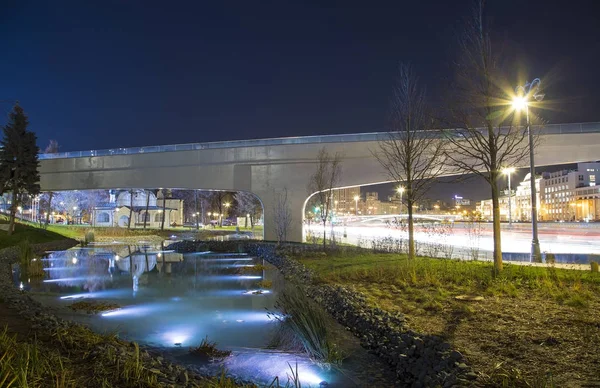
<point>209,349</point>
<point>525,330</point>
<point>440,276</point>
<point>306,321</point>
<point>32,234</point>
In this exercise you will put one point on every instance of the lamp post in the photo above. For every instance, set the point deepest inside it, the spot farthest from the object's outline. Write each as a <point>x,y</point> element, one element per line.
<point>356,198</point>
<point>508,171</point>
<point>400,191</point>
<point>521,101</point>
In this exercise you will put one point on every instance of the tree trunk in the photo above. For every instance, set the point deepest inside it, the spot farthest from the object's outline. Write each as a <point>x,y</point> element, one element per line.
<point>164,215</point>
<point>50,195</point>
<point>130,209</point>
<point>13,211</point>
<point>196,208</point>
<point>147,205</point>
<point>324,231</point>
<point>411,230</point>
<point>496,223</point>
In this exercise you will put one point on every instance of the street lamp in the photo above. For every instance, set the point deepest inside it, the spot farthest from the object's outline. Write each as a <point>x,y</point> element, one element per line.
<point>520,102</point>
<point>508,171</point>
<point>356,198</point>
<point>400,190</point>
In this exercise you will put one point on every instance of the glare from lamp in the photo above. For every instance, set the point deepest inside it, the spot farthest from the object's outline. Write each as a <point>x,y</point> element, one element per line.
<point>519,103</point>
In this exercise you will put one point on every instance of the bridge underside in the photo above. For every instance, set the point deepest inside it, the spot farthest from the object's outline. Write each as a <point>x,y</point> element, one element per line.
<point>264,170</point>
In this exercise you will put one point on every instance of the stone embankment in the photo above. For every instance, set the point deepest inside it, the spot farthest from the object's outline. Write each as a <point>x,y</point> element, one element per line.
<point>43,323</point>
<point>419,360</point>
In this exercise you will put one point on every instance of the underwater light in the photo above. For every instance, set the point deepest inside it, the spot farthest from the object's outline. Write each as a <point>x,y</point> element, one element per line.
<point>256,292</point>
<point>66,280</point>
<point>74,260</point>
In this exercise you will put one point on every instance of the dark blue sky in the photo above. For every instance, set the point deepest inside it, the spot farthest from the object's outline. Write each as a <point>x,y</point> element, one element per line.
<point>102,74</point>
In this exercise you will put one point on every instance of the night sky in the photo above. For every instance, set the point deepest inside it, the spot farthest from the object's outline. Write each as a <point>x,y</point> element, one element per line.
<point>96,75</point>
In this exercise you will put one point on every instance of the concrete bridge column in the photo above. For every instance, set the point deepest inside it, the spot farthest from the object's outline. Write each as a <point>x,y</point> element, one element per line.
<point>296,205</point>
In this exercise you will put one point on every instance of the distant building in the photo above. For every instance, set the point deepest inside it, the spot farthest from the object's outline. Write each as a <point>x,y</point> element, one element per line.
<point>571,195</point>
<point>566,195</point>
<point>521,204</point>
<point>344,202</point>
<point>116,211</point>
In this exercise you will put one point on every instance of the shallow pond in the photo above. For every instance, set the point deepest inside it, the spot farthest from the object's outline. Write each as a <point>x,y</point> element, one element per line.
<point>170,301</point>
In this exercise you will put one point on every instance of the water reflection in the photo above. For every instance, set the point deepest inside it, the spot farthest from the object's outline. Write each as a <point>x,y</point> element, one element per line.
<point>164,294</point>
<point>173,301</point>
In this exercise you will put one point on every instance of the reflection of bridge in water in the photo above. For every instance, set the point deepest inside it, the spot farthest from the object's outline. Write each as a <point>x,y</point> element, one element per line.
<point>65,266</point>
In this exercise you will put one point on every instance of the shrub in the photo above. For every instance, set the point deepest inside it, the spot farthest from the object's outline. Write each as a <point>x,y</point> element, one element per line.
<point>89,236</point>
<point>550,258</point>
<point>594,266</point>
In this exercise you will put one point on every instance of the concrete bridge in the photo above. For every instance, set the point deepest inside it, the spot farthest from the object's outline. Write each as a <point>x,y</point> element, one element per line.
<point>266,166</point>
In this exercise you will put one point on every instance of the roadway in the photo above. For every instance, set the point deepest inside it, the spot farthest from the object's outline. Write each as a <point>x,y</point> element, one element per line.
<point>557,238</point>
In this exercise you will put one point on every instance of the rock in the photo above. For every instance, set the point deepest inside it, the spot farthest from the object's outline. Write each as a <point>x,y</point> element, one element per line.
<point>183,378</point>
<point>469,298</point>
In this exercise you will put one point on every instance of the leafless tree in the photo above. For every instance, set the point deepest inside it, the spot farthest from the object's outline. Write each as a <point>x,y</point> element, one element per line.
<point>485,139</point>
<point>283,215</point>
<point>219,198</point>
<point>247,203</point>
<point>131,194</point>
<point>322,182</point>
<point>165,193</point>
<point>412,153</point>
<point>52,148</point>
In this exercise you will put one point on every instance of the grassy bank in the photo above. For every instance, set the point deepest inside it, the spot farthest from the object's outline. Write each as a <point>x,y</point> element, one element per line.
<point>32,234</point>
<point>531,326</point>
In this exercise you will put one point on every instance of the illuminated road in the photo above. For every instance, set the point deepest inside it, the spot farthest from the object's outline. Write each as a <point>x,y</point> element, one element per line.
<point>554,237</point>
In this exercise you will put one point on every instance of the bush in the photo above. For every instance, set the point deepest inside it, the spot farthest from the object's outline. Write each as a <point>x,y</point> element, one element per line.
<point>89,236</point>
<point>550,258</point>
<point>594,266</point>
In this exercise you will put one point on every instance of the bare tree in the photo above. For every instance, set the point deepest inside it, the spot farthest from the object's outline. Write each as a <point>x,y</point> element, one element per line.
<point>52,148</point>
<point>165,192</point>
<point>322,182</point>
<point>218,199</point>
<point>131,193</point>
<point>412,154</point>
<point>486,139</point>
<point>146,215</point>
<point>247,204</point>
<point>283,215</point>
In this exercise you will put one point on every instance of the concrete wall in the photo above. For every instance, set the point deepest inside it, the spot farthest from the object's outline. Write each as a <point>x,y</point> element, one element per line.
<point>262,170</point>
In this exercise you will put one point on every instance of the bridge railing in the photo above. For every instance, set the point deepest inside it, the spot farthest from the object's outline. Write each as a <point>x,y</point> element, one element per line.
<point>552,129</point>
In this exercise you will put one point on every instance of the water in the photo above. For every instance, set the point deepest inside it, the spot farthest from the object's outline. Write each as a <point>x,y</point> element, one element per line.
<point>171,301</point>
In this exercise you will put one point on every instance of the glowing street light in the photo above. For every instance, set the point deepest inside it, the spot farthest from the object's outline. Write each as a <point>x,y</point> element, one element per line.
<point>507,171</point>
<point>521,101</point>
<point>356,198</point>
<point>400,191</point>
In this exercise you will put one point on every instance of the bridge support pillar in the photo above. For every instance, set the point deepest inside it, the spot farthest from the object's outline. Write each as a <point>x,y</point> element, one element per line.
<point>296,205</point>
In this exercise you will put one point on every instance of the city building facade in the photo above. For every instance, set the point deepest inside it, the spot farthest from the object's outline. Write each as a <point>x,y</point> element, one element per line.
<point>571,195</point>
<point>565,195</point>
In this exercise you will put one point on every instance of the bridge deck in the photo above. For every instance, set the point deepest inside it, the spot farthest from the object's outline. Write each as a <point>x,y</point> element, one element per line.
<point>552,129</point>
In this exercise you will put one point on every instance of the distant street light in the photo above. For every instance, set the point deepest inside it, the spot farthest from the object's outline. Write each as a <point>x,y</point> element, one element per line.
<point>356,198</point>
<point>400,190</point>
<point>521,101</point>
<point>508,171</point>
